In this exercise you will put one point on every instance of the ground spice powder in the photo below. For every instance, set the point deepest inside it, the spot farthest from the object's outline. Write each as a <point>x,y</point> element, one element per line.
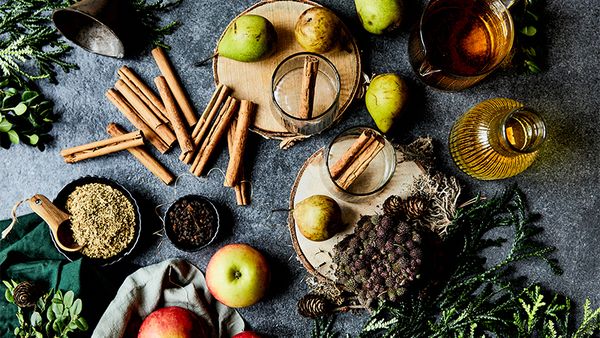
<point>102,218</point>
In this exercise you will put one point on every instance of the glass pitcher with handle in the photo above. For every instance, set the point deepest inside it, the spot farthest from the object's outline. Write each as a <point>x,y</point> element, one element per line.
<point>457,43</point>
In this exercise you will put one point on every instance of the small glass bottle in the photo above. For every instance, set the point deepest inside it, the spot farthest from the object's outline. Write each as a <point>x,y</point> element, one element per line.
<point>496,139</point>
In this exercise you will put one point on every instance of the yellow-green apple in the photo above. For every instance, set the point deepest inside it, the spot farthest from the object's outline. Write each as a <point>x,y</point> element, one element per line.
<point>172,322</point>
<point>247,334</point>
<point>238,275</point>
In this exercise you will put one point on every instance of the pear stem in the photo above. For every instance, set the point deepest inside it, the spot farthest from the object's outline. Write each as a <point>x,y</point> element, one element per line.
<point>205,61</point>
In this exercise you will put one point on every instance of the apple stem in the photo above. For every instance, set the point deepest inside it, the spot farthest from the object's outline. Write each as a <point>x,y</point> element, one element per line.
<point>203,62</point>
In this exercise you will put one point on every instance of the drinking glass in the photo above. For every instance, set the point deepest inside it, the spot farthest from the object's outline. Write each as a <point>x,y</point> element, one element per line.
<point>457,43</point>
<point>286,94</point>
<point>497,139</point>
<point>377,175</point>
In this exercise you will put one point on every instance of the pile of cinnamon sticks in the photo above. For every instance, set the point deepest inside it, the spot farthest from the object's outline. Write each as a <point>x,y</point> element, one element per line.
<point>224,116</point>
<point>356,159</point>
<point>167,118</point>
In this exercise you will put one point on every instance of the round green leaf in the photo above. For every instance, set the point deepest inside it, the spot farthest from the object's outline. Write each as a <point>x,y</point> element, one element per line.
<point>9,297</point>
<point>529,30</point>
<point>50,315</point>
<point>33,139</point>
<point>5,126</point>
<point>76,308</point>
<point>20,109</point>
<point>36,319</point>
<point>13,137</point>
<point>29,95</point>
<point>68,298</point>
<point>82,324</point>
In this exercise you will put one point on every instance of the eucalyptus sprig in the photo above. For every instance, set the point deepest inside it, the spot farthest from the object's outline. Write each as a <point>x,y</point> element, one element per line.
<point>55,314</point>
<point>25,115</point>
<point>31,49</point>
<point>528,46</point>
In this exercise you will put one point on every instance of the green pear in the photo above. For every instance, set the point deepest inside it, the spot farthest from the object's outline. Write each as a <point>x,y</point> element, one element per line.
<point>318,217</point>
<point>318,30</point>
<point>380,16</point>
<point>249,38</point>
<point>386,97</point>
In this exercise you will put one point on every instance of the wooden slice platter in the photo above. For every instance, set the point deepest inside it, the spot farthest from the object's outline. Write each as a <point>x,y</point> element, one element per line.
<point>252,81</point>
<point>317,257</point>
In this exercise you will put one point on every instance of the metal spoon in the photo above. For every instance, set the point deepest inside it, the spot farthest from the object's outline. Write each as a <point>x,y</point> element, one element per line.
<point>57,220</point>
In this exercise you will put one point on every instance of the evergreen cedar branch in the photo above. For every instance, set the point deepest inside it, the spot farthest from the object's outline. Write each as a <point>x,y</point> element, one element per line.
<point>479,300</point>
<point>31,49</point>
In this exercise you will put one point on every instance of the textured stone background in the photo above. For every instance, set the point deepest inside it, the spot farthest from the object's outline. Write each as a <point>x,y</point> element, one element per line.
<point>561,185</point>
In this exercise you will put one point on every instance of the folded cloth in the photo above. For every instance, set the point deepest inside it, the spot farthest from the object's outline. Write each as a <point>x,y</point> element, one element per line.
<point>173,282</point>
<point>28,254</point>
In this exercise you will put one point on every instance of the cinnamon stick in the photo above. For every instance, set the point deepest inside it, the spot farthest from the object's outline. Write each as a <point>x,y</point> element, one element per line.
<point>245,116</point>
<point>143,156</point>
<point>183,137</point>
<point>242,187</point>
<point>350,155</point>
<point>103,147</point>
<point>164,64</point>
<point>219,96</point>
<point>214,136</point>
<point>121,103</point>
<point>309,79</point>
<point>161,129</point>
<point>144,92</point>
<point>360,164</point>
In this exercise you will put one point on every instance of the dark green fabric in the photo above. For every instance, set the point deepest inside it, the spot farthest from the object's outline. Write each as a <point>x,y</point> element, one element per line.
<point>27,253</point>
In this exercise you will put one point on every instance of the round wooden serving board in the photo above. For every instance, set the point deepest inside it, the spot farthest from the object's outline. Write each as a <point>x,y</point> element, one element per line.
<point>252,80</point>
<point>317,257</point>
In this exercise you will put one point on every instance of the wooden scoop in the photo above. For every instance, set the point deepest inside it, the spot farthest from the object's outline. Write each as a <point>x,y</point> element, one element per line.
<point>57,220</point>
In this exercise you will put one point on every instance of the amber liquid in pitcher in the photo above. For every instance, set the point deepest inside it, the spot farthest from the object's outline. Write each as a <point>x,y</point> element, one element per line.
<point>496,139</point>
<point>460,36</point>
<point>461,41</point>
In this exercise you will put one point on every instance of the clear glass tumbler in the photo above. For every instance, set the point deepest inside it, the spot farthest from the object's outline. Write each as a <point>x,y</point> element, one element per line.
<point>379,172</point>
<point>286,94</point>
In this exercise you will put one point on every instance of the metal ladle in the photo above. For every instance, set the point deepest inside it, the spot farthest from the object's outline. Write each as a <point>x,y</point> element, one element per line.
<point>57,220</point>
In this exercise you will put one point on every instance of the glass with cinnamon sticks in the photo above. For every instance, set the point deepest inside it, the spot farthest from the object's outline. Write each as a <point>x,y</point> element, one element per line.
<point>358,162</point>
<point>305,91</point>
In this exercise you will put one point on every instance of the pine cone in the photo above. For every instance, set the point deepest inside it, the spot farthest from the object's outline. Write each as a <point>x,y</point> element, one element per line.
<point>415,207</point>
<point>313,306</point>
<point>394,206</point>
<point>25,294</point>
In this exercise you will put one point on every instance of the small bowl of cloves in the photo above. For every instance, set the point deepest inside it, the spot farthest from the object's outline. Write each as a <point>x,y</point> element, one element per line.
<point>192,223</point>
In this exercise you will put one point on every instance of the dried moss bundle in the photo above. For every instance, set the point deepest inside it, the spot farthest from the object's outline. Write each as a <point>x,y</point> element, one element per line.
<point>102,218</point>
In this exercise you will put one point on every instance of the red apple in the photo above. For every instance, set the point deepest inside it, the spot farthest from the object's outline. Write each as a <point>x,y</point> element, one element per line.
<point>247,334</point>
<point>238,275</point>
<point>172,322</point>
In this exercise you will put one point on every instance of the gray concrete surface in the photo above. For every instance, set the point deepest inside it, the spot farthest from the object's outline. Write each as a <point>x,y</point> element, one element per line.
<point>562,185</point>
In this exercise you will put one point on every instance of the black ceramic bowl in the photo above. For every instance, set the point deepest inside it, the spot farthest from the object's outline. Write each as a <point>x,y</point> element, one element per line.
<point>61,200</point>
<point>173,237</point>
